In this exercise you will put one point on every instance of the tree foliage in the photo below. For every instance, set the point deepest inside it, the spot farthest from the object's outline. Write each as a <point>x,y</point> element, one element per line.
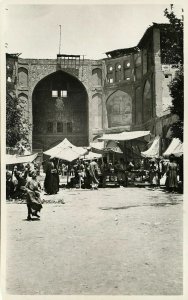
<point>174,54</point>
<point>172,39</point>
<point>16,126</point>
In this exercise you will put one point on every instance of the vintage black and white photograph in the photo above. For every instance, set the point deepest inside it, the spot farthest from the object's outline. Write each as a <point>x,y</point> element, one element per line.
<point>94,149</point>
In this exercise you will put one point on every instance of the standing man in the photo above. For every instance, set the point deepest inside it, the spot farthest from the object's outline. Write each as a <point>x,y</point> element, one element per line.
<point>94,172</point>
<point>122,174</point>
<point>105,170</point>
<point>51,182</point>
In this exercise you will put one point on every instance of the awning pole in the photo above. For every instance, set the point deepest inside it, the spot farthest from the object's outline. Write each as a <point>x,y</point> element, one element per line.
<point>132,150</point>
<point>160,146</point>
<point>57,164</point>
<point>68,173</point>
<point>125,151</point>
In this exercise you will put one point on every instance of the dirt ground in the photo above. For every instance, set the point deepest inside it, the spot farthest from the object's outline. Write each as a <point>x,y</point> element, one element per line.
<point>118,241</point>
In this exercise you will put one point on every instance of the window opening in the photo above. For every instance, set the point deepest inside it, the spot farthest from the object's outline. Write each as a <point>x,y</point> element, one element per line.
<point>69,127</point>
<point>49,127</point>
<point>59,126</point>
<point>64,94</point>
<point>54,93</point>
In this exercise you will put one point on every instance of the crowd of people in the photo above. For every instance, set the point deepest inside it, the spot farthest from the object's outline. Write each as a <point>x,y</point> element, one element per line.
<point>22,180</point>
<point>153,172</point>
<point>21,183</point>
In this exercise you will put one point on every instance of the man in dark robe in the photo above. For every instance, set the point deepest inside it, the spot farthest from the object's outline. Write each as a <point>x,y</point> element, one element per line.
<point>51,182</point>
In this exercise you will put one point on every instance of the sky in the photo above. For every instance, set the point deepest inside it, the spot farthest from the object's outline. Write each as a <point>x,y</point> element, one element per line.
<point>89,30</point>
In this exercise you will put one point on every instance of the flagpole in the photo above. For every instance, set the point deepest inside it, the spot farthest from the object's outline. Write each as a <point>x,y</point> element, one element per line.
<point>59,39</point>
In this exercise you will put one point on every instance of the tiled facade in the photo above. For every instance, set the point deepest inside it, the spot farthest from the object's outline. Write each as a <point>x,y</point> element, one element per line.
<point>81,99</point>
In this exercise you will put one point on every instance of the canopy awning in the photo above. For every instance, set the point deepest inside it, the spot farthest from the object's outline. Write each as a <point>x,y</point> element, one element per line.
<point>91,155</point>
<point>66,151</point>
<point>97,145</point>
<point>175,147</point>
<point>107,146</point>
<point>153,151</point>
<point>15,159</point>
<point>124,136</point>
<point>112,146</point>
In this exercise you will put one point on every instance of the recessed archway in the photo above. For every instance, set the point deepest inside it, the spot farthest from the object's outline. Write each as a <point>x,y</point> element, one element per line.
<point>60,110</point>
<point>97,111</point>
<point>119,109</point>
<point>147,102</point>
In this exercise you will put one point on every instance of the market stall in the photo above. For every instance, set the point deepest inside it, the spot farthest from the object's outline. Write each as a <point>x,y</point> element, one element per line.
<point>153,151</point>
<point>15,173</point>
<point>128,142</point>
<point>66,151</point>
<point>175,147</point>
<point>107,148</point>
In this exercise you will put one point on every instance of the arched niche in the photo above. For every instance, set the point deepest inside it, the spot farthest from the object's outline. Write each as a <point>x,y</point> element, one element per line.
<point>110,73</point>
<point>145,61</point>
<point>127,69</point>
<point>23,102</point>
<point>97,77</point>
<point>60,110</point>
<point>23,77</point>
<point>119,109</point>
<point>147,102</point>
<point>118,68</point>
<point>138,66</point>
<point>138,105</point>
<point>97,111</point>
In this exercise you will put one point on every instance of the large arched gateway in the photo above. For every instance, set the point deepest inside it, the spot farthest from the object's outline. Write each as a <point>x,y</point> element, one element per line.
<point>60,110</point>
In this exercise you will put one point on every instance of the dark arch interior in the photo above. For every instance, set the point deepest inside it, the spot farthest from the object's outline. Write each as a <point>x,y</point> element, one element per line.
<point>60,110</point>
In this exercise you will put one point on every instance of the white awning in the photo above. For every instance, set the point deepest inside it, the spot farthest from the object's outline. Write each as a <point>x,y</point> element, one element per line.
<point>67,154</point>
<point>15,159</point>
<point>175,147</point>
<point>153,151</point>
<point>91,155</point>
<point>124,136</point>
<point>97,145</point>
<point>66,151</point>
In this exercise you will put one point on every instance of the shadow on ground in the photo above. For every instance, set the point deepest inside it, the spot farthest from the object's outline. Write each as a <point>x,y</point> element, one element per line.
<point>162,204</point>
<point>32,219</point>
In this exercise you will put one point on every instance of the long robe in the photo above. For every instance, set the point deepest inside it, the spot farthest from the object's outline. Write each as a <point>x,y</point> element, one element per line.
<point>51,182</point>
<point>33,195</point>
<point>153,174</point>
<point>172,170</point>
<point>94,171</point>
